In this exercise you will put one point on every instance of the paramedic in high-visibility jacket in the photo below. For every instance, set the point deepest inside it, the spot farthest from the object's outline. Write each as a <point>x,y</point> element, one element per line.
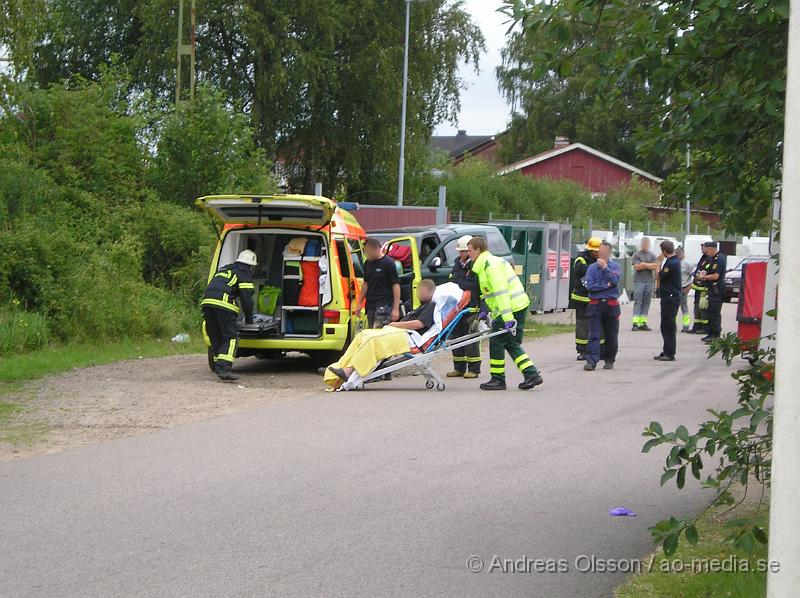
<point>220,312</point>
<point>507,301</point>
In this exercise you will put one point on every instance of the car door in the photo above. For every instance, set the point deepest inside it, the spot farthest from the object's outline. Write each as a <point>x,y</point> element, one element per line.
<point>410,275</point>
<point>355,260</point>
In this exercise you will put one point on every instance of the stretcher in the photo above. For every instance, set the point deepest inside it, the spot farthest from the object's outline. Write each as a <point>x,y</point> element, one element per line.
<point>421,358</point>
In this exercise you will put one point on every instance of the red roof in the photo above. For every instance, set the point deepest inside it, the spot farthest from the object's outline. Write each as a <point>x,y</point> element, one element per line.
<point>553,153</point>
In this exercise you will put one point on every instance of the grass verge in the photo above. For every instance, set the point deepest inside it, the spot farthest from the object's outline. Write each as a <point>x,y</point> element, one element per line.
<point>541,329</point>
<point>686,573</point>
<point>18,369</point>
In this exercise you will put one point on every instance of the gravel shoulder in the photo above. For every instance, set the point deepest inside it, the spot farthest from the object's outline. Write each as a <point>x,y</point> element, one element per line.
<point>97,404</point>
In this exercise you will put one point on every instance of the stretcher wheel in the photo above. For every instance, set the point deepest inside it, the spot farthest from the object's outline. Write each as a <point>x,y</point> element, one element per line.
<point>429,384</point>
<point>440,387</point>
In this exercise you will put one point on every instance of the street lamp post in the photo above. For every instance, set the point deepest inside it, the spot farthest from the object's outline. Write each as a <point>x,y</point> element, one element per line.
<point>402,166</point>
<point>688,198</point>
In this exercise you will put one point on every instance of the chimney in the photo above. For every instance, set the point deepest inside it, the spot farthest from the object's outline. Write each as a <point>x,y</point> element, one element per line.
<point>561,142</point>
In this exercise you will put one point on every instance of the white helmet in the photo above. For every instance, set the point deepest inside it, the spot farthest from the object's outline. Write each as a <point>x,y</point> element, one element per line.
<point>461,244</point>
<point>247,257</point>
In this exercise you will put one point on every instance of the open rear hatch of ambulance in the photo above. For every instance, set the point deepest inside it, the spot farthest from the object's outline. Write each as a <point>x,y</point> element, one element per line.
<point>269,209</point>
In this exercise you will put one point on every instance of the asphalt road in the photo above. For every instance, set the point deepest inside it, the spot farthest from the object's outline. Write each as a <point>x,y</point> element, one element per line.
<point>385,492</point>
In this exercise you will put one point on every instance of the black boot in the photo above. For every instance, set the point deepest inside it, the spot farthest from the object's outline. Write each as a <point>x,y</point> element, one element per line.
<point>227,375</point>
<point>530,381</point>
<point>494,384</point>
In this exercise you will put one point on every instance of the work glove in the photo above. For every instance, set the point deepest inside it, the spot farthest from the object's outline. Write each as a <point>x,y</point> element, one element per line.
<point>248,320</point>
<point>703,301</point>
<point>511,326</point>
<point>483,315</point>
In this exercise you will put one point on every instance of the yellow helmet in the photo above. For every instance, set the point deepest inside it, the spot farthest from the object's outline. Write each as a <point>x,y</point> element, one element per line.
<point>593,244</point>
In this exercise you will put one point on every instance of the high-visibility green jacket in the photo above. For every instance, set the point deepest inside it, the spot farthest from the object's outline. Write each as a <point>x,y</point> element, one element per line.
<point>501,288</point>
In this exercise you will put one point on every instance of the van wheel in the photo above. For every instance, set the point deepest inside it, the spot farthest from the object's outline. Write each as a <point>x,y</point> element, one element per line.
<point>211,360</point>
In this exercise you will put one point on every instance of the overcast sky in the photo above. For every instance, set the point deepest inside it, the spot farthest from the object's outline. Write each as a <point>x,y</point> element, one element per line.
<point>484,111</point>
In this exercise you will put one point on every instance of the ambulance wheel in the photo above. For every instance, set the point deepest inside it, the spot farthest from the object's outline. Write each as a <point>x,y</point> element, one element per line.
<point>429,384</point>
<point>440,387</point>
<point>211,360</point>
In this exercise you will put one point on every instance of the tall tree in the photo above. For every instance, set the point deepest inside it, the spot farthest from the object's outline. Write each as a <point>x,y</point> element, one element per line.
<point>715,71</point>
<point>568,101</point>
<point>320,78</point>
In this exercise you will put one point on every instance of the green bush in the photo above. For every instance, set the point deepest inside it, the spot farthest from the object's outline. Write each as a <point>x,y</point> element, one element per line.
<point>95,243</point>
<point>475,189</point>
<point>207,148</point>
<point>171,237</point>
<point>83,135</point>
<point>88,291</point>
<point>20,330</point>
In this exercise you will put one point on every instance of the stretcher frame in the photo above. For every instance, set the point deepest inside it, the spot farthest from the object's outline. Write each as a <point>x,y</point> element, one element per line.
<point>423,361</point>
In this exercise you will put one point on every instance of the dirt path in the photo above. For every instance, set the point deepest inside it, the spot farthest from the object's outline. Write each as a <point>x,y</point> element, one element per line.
<point>101,403</point>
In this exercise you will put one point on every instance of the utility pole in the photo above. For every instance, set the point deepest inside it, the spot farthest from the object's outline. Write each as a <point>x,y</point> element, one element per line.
<point>185,72</point>
<point>688,201</point>
<point>402,166</point>
<point>441,210</point>
<point>784,528</point>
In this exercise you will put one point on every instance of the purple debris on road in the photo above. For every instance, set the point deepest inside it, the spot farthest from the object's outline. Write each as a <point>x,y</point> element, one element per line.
<point>621,512</point>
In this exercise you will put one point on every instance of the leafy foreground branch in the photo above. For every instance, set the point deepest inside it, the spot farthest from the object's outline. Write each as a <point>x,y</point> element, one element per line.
<point>738,443</point>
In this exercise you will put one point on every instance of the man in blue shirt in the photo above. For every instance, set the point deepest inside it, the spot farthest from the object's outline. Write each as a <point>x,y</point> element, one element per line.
<point>670,289</point>
<point>602,282</point>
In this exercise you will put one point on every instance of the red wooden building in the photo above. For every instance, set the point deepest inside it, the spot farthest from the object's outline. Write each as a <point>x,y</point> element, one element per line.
<point>582,164</point>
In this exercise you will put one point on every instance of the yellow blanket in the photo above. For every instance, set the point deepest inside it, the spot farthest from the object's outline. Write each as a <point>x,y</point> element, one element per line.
<point>369,348</point>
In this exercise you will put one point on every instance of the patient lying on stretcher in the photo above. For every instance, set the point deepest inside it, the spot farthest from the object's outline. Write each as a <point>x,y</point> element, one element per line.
<point>370,347</point>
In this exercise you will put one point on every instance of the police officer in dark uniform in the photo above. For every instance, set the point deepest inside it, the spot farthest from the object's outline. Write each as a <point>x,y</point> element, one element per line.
<point>669,291</point>
<point>466,360</point>
<point>220,312</point>
<point>713,279</point>
<point>579,296</point>
<point>700,325</point>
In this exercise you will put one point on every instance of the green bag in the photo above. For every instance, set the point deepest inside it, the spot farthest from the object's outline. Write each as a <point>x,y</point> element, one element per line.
<point>268,300</point>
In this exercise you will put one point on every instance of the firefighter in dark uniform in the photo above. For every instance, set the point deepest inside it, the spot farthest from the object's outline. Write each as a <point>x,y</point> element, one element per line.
<point>700,313</point>
<point>579,297</point>
<point>466,360</point>
<point>669,291</point>
<point>713,279</point>
<point>220,312</point>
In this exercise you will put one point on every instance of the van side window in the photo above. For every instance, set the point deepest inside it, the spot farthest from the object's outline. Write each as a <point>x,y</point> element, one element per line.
<point>344,263</point>
<point>358,257</point>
